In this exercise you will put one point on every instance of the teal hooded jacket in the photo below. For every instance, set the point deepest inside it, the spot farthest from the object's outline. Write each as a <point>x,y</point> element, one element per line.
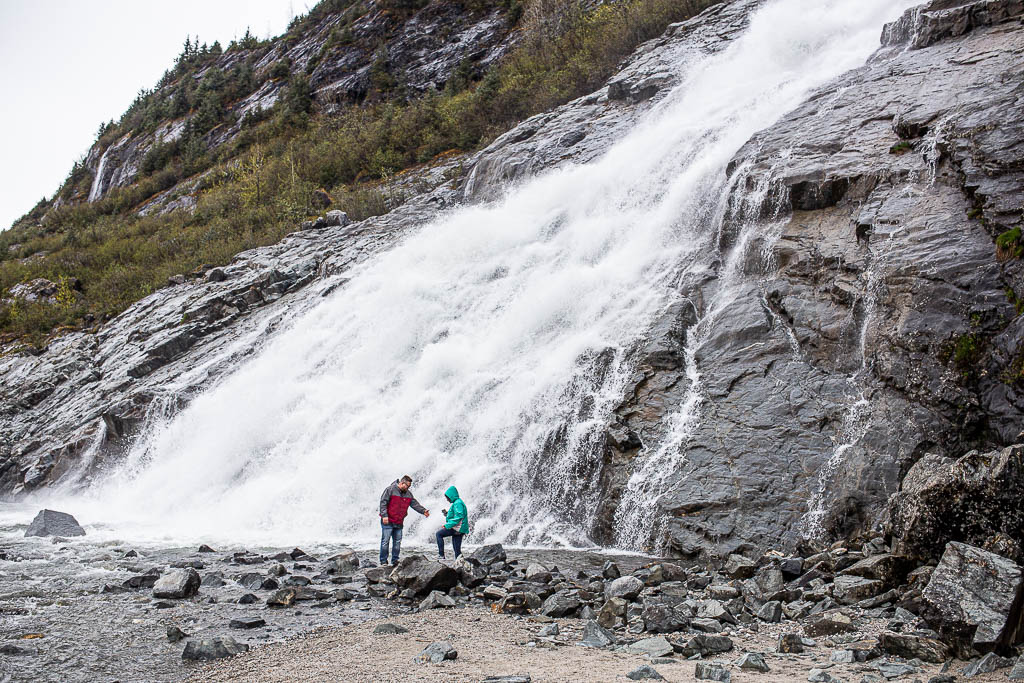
<point>457,518</point>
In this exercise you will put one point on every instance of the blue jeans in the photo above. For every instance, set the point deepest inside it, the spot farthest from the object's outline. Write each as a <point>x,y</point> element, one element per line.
<point>393,533</point>
<point>443,533</point>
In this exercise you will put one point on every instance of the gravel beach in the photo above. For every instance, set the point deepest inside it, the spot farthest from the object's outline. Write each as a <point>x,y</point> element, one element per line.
<point>500,645</point>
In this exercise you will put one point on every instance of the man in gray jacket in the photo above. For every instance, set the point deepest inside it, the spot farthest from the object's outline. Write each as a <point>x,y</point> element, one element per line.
<point>394,506</point>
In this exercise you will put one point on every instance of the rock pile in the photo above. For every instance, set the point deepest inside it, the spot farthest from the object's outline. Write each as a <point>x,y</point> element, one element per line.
<point>967,606</point>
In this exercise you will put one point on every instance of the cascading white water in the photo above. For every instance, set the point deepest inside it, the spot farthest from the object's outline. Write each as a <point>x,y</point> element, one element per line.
<point>96,191</point>
<point>488,349</point>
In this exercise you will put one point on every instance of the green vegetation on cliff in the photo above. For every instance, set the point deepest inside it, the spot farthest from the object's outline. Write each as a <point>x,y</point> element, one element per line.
<point>258,185</point>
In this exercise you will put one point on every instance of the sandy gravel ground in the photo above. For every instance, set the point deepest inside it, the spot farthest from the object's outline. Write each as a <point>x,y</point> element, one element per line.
<point>496,645</point>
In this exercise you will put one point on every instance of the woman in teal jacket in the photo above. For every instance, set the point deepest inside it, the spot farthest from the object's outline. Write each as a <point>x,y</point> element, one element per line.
<point>456,523</point>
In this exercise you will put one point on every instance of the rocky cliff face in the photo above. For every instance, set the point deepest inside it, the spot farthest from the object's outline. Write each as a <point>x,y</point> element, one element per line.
<point>342,52</point>
<point>872,323</point>
<point>882,327</point>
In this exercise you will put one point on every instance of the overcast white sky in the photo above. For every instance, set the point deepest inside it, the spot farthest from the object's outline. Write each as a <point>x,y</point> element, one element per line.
<point>68,65</point>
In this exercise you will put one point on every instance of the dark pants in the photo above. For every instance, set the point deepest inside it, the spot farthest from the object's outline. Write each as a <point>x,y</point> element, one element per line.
<point>393,533</point>
<point>456,541</point>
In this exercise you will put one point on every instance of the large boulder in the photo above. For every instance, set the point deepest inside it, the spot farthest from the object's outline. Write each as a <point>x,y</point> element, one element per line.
<point>53,523</point>
<point>664,617</point>
<point>973,600</point>
<point>489,554</point>
<point>911,646</point>
<point>422,575</point>
<point>561,604</point>
<point>177,584</point>
<point>890,569</point>
<point>343,563</point>
<point>470,575</point>
<point>739,567</point>
<point>626,587</point>
<point>706,645</point>
<point>613,610</point>
<point>852,589</point>
<point>974,499</point>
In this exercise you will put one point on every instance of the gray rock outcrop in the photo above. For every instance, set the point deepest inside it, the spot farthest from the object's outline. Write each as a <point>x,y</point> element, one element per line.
<point>54,523</point>
<point>974,499</point>
<point>974,599</point>
<point>880,328</point>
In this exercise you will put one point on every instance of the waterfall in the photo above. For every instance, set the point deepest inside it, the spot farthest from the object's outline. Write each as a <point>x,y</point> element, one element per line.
<point>488,349</point>
<point>96,191</point>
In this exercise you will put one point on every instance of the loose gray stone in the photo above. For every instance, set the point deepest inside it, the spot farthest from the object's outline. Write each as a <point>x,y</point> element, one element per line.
<point>1017,674</point>
<point>335,218</point>
<point>435,653</point>
<point>537,573</point>
<point>752,661</point>
<point>711,672</point>
<point>653,647</point>
<point>247,622</point>
<point>549,631</point>
<point>435,600</point>
<point>790,643</point>
<point>852,589</point>
<point>390,629</point>
<point>561,604</point>
<point>595,635</point>
<point>213,648</point>
<point>895,669</point>
<point>770,612</point>
<point>705,645</point>
<point>713,609</point>
<point>644,673</point>
<point>422,575</point>
<point>175,634</point>
<point>345,562</point>
<point>489,554</point>
<point>910,646</point>
<point>177,584</point>
<point>739,567</point>
<point>987,664</point>
<point>625,587</point>
<point>611,612</point>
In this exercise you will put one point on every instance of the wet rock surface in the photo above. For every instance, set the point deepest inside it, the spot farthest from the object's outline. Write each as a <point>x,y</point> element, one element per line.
<point>833,366</point>
<point>974,599</point>
<point>53,523</point>
<point>974,499</point>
